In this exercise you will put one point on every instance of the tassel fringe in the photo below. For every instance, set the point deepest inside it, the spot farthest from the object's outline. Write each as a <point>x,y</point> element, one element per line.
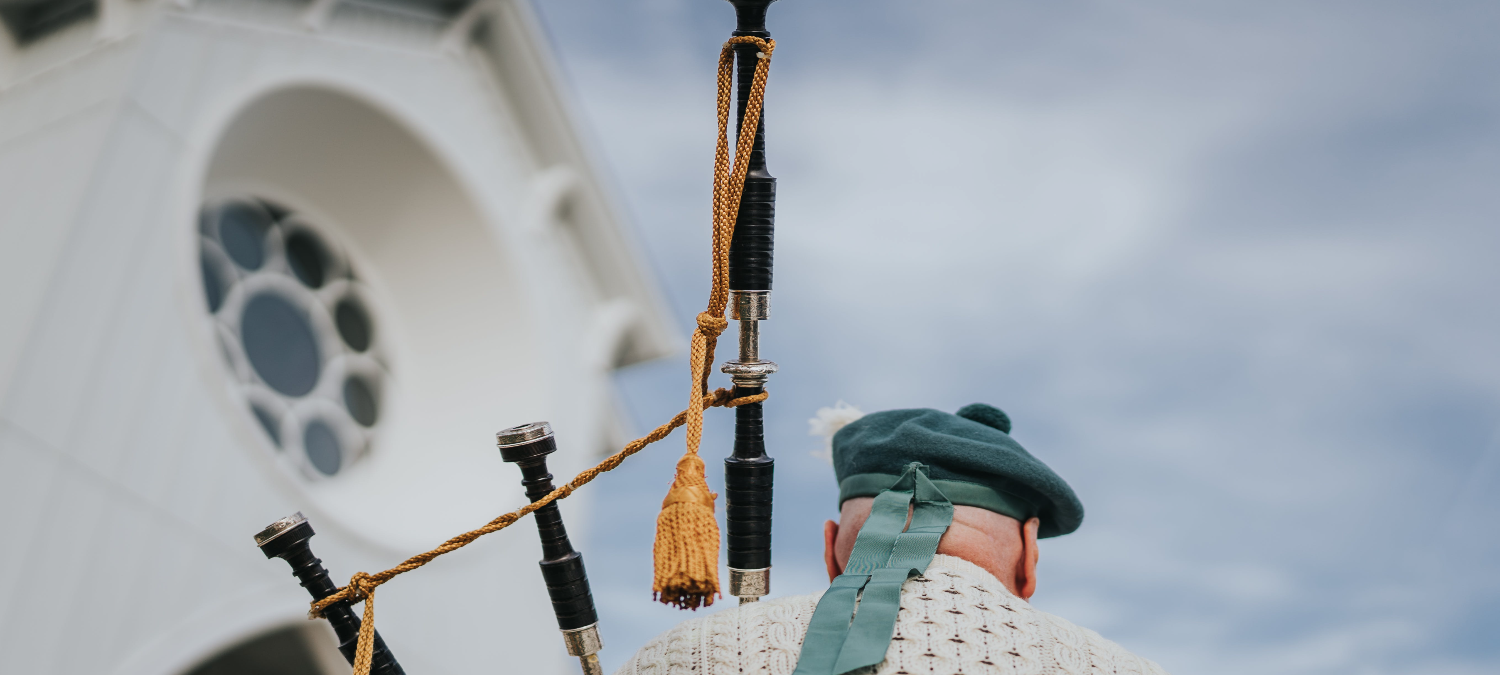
<point>687,540</point>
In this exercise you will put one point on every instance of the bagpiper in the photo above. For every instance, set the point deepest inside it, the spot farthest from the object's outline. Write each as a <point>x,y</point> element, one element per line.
<point>932,562</point>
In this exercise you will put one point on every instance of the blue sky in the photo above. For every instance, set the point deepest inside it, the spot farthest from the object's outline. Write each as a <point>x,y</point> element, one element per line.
<point>1229,267</point>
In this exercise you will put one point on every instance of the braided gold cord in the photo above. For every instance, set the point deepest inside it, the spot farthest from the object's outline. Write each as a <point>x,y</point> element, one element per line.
<point>729,186</point>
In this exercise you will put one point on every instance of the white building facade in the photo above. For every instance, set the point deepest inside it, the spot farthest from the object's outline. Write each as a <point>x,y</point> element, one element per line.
<point>263,256</point>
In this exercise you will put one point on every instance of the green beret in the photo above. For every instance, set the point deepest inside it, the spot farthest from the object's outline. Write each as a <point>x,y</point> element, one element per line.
<point>970,457</point>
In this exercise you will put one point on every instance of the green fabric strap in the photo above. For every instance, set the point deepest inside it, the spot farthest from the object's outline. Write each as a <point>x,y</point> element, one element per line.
<point>959,492</point>
<point>855,620</point>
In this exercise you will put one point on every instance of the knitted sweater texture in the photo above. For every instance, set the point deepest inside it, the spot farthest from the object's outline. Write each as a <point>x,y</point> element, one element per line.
<point>957,618</point>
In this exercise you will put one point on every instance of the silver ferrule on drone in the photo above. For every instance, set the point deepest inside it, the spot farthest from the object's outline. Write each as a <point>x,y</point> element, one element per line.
<point>749,585</point>
<point>585,644</point>
<point>749,308</point>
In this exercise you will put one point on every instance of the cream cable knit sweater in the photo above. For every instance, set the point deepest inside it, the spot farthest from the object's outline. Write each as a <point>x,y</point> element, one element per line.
<point>957,618</point>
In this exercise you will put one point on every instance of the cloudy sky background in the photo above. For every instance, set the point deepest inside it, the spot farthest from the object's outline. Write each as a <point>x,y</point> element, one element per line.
<point>1230,267</point>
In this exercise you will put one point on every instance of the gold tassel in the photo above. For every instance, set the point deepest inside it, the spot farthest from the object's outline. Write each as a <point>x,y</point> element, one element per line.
<point>687,540</point>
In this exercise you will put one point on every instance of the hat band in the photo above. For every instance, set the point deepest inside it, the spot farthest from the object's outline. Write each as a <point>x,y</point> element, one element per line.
<point>958,492</point>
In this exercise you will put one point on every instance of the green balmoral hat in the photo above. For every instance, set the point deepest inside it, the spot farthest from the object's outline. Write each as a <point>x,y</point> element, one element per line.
<point>970,457</point>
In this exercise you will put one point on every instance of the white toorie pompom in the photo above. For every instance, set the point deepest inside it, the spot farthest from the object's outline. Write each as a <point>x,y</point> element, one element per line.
<point>827,422</point>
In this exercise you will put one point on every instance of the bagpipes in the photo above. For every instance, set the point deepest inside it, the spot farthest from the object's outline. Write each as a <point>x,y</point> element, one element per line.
<point>687,537</point>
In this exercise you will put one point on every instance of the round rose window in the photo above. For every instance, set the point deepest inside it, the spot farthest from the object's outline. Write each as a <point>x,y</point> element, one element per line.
<point>296,330</point>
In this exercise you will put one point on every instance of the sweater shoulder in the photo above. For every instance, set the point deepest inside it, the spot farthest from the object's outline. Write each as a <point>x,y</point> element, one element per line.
<point>763,637</point>
<point>958,618</point>
<point>1092,647</point>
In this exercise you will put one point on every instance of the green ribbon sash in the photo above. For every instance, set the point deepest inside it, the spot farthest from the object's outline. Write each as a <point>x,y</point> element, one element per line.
<point>854,622</point>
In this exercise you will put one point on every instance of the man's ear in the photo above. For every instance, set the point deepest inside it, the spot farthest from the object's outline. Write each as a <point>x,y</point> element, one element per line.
<point>1026,571</point>
<point>830,537</point>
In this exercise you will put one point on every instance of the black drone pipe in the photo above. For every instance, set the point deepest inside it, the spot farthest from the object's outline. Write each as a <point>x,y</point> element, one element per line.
<point>749,472</point>
<point>562,567</point>
<point>287,539</point>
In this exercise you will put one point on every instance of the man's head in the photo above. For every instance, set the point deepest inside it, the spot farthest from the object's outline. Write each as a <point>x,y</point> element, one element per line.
<point>1005,499</point>
<point>1001,545</point>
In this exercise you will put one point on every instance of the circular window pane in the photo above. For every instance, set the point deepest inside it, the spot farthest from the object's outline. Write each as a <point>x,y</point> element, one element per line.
<point>216,280</point>
<point>281,346</point>
<point>268,422</point>
<point>242,231</point>
<point>353,324</point>
<point>359,398</point>
<point>322,447</point>
<point>307,258</point>
<point>284,344</point>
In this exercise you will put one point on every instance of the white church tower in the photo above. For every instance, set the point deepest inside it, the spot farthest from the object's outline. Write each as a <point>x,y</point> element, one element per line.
<point>267,256</point>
